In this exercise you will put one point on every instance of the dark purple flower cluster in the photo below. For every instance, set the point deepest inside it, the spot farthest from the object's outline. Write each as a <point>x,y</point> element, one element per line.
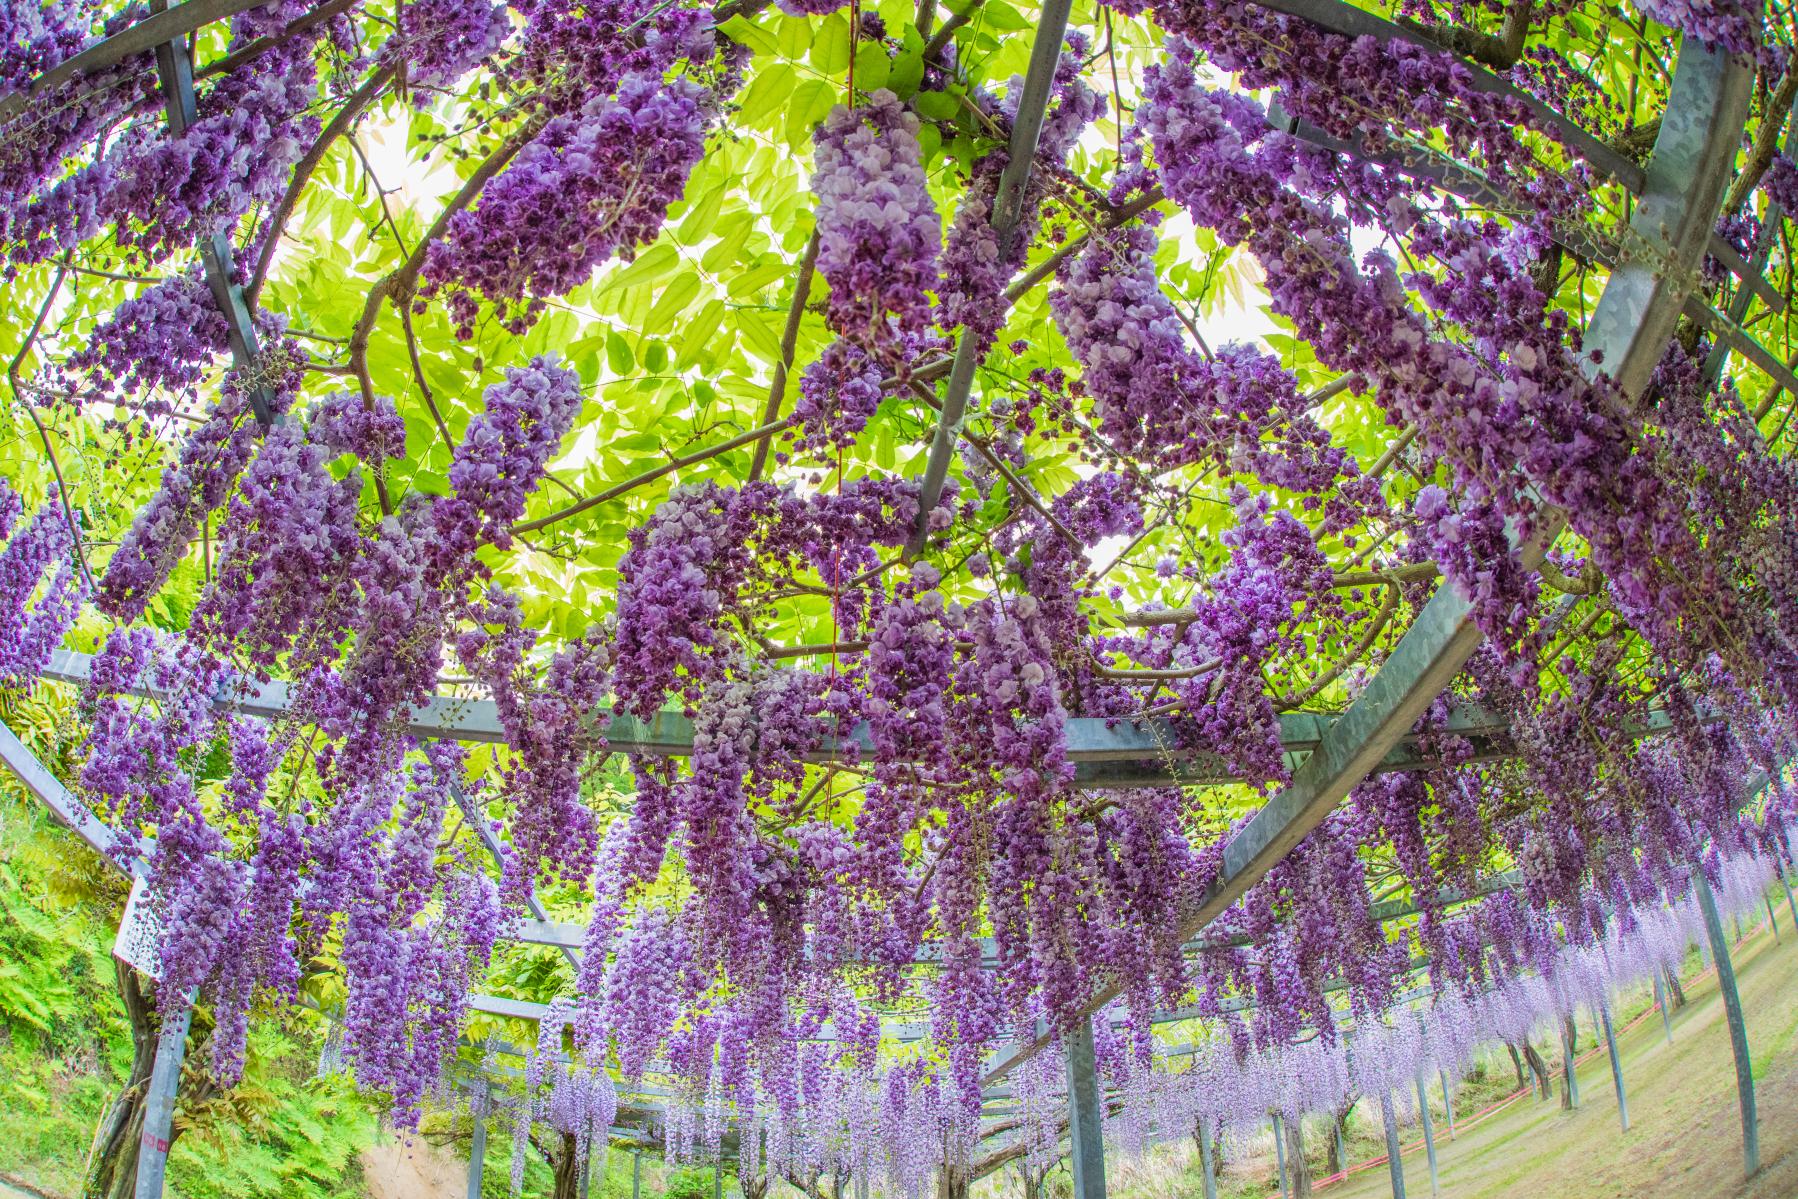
<point>205,468</point>
<point>575,50</point>
<point>166,337</point>
<point>502,457</point>
<point>439,41</point>
<point>1730,25</point>
<point>838,393</point>
<point>163,194</point>
<point>345,424</point>
<point>590,186</point>
<point>287,547</point>
<point>1158,398</point>
<point>976,268</point>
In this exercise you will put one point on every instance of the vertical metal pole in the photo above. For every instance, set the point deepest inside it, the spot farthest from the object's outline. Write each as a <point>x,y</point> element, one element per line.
<point>477,1152</point>
<point>637,1174</point>
<point>1394,1165</point>
<point>1085,1134</point>
<point>1207,1171</point>
<point>1570,1076</point>
<point>593,1143</point>
<point>1660,1001</point>
<point>1448,1103</point>
<point>1784,876</point>
<point>1771,918</point>
<point>1429,1133</point>
<point>159,1104</point>
<point>1738,1029</point>
<point>1280,1153</point>
<point>1610,1043</point>
<point>717,1180</point>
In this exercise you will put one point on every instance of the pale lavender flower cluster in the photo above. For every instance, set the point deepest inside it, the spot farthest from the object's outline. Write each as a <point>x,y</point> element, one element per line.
<point>879,233</point>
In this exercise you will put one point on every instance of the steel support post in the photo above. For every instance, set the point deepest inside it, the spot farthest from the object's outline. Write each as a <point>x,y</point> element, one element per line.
<point>1610,1044</point>
<point>1771,918</point>
<point>1086,1137</point>
<point>637,1174</point>
<point>1738,1028</point>
<point>1280,1153</point>
<point>477,1150</point>
<point>1395,1165</point>
<point>1429,1134</point>
<point>717,1180</point>
<point>1008,209</point>
<point>1660,1001</point>
<point>1785,875</point>
<point>1207,1169</point>
<point>159,1104</point>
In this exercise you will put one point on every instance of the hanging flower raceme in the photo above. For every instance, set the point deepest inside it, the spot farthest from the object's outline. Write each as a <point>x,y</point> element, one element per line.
<point>163,194</point>
<point>439,41</point>
<point>879,234</point>
<point>1158,398</point>
<point>31,631</point>
<point>207,465</point>
<point>588,187</point>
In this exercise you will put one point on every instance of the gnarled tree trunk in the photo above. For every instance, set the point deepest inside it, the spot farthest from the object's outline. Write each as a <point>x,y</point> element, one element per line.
<point>1544,1088</point>
<point>1298,1170</point>
<point>112,1160</point>
<point>113,1156</point>
<point>1674,989</point>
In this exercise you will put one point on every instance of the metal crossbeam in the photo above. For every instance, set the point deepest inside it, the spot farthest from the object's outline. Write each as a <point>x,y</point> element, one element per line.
<point>1107,754</point>
<point>160,28</point>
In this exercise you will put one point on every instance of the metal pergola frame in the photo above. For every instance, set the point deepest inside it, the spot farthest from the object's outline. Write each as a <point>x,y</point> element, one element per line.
<point>1650,286</point>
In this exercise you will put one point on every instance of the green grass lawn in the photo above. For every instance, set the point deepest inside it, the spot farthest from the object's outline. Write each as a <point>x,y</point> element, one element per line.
<point>1685,1135</point>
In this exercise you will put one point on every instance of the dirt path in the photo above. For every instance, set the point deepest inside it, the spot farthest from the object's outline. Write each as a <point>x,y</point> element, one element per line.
<point>1685,1136</point>
<point>393,1169</point>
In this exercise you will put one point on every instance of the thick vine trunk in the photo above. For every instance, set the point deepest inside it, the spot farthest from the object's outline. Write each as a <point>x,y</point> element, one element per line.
<point>112,1159</point>
<point>1569,1049</point>
<point>1338,1134</point>
<point>561,1154</point>
<point>1544,1087</point>
<point>1517,1065</point>
<point>1297,1168</point>
<point>1673,988</point>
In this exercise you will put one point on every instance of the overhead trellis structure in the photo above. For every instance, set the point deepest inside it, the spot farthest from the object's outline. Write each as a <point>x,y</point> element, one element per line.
<point>801,610</point>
